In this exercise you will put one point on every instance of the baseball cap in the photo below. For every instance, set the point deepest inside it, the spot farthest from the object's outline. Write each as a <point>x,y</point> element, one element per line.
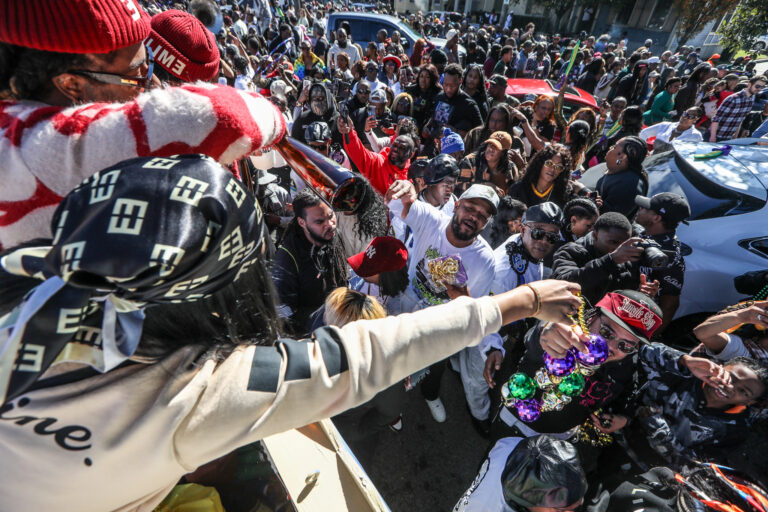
<point>277,89</point>
<point>383,254</point>
<point>478,191</point>
<point>265,178</point>
<point>498,80</point>
<point>501,140</point>
<point>654,60</point>
<point>672,207</point>
<point>451,34</point>
<point>544,213</point>
<point>634,311</point>
<point>378,96</point>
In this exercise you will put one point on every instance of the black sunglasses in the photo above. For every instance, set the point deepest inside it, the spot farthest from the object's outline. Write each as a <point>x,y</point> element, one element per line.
<point>115,79</point>
<point>626,346</point>
<point>540,234</point>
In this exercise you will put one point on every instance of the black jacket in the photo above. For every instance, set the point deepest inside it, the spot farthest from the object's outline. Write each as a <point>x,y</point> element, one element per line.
<point>460,112</point>
<point>579,262</point>
<point>618,192</point>
<point>303,279</point>
<point>610,387</point>
<point>423,102</point>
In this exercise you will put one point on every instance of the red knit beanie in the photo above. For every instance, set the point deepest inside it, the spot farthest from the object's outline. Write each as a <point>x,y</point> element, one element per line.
<point>183,46</point>
<point>73,26</point>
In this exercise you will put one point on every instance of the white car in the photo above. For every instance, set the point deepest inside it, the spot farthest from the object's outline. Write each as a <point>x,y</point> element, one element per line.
<point>728,233</point>
<point>761,44</point>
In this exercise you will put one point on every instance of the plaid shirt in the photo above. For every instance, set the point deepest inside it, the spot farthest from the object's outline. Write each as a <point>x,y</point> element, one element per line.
<point>731,113</point>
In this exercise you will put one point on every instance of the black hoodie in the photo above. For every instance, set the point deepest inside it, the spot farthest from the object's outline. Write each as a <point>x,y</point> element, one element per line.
<point>329,117</point>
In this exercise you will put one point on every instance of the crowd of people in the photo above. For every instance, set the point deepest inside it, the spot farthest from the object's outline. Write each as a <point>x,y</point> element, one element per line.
<point>175,286</point>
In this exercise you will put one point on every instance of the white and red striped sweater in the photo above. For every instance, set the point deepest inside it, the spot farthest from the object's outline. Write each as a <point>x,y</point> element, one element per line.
<point>45,151</point>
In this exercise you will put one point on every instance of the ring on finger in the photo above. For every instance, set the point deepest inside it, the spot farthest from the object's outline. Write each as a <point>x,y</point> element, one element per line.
<point>759,318</point>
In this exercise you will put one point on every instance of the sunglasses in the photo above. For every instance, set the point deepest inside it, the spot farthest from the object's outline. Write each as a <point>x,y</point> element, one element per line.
<point>690,116</point>
<point>553,165</point>
<point>540,234</point>
<point>625,346</point>
<point>363,92</point>
<point>758,86</point>
<point>116,79</point>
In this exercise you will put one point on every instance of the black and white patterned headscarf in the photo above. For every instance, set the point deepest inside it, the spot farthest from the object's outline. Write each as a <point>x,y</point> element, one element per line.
<point>144,231</point>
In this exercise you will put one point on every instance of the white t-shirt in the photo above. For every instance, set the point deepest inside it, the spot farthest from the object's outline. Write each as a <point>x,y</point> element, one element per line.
<point>486,493</point>
<point>663,131</point>
<point>506,277</point>
<point>737,348</point>
<point>429,242</point>
<point>405,234</point>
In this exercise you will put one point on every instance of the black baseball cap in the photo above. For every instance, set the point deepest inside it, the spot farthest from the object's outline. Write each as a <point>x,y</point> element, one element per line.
<point>544,213</point>
<point>671,207</point>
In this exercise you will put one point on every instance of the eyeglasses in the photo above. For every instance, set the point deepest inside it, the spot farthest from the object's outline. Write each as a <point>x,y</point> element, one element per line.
<point>690,116</point>
<point>758,86</point>
<point>553,165</point>
<point>541,234</point>
<point>116,79</point>
<point>625,346</point>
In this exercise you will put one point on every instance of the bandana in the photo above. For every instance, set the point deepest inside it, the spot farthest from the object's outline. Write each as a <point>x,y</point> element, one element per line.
<point>634,315</point>
<point>518,256</point>
<point>145,231</point>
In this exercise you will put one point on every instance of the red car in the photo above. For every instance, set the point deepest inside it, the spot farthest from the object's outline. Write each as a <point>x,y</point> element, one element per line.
<point>574,98</point>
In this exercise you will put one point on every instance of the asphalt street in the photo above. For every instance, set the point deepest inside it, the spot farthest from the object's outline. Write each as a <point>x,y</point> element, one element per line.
<point>428,465</point>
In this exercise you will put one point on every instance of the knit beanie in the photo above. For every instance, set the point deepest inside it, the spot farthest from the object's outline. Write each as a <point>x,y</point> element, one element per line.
<point>73,26</point>
<point>183,46</point>
<point>451,142</point>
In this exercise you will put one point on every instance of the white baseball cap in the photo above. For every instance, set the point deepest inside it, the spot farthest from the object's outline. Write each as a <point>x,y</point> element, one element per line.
<point>478,191</point>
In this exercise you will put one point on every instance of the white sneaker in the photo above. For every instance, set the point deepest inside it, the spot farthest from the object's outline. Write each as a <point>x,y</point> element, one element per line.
<point>437,409</point>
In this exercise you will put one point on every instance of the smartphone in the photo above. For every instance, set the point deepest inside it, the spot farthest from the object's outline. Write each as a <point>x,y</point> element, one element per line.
<point>344,111</point>
<point>371,111</point>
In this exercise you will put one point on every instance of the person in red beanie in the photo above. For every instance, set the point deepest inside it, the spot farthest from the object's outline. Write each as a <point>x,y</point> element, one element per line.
<point>76,87</point>
<point>184,50</point>
<point>384,168</point>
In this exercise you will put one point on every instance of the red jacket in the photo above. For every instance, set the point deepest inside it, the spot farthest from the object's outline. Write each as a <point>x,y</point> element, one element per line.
<point>374,166</point>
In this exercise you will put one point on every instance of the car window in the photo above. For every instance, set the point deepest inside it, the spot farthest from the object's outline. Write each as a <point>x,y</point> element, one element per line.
<point>671,172</point>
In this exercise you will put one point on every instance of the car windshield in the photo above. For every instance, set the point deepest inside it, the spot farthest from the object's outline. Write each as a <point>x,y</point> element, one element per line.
<point>715,187</point>
<point>404,26</point>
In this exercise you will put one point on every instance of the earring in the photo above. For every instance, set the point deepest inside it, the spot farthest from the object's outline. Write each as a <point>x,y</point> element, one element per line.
<point>618,161</point>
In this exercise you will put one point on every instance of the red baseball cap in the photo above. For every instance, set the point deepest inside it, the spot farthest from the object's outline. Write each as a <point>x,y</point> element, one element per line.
<point>383,254</point>
<point>634,311</point>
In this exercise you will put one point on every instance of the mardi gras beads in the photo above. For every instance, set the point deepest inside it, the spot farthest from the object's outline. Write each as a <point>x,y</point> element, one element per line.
<point>559,379</point>
<point>518,392</point>
<point>572,385</point>
<point>589,434</point>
